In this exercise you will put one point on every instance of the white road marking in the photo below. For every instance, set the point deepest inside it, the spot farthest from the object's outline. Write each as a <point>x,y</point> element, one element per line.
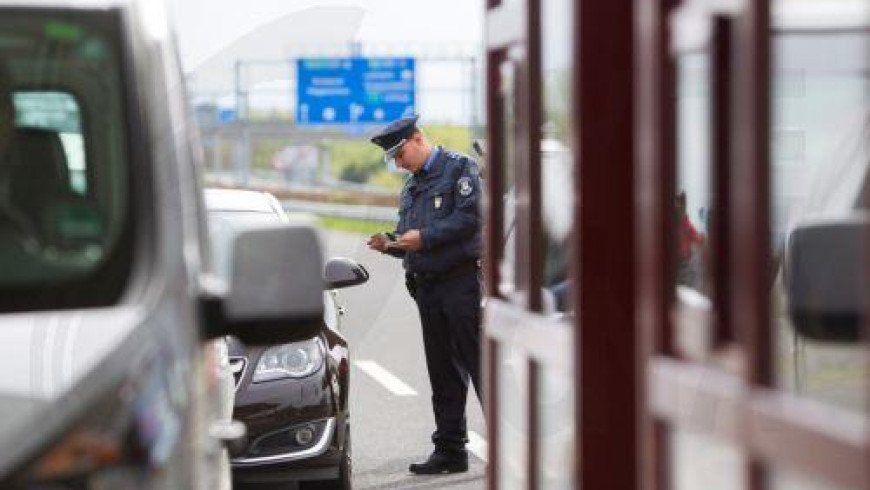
<point>387,379</point>
<point>477,445</point>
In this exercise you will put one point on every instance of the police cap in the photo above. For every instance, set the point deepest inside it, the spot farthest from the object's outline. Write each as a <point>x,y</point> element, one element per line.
<point>395,135</point>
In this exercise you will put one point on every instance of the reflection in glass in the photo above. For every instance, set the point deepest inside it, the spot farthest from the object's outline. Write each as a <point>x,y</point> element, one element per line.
<point>557,160</point>
<point>820,155</point>
<point>692,203</point>
<point>63,177</point>
<point>513,434</point>
<point>507,269</point>
<point>556,426</point>
<point>60,113</point>
<point>693,200</point>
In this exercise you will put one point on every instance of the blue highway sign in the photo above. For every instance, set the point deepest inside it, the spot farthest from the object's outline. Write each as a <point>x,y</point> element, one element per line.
<point>354,90</point>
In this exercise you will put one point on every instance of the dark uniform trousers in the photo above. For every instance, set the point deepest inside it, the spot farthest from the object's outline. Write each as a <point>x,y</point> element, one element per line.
<point>450,315</point>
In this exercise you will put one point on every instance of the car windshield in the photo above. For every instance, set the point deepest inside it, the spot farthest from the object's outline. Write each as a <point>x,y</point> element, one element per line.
<point>224,226</point>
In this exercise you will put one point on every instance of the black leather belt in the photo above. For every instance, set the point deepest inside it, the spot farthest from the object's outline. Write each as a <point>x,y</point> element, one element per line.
<point>456,271</point>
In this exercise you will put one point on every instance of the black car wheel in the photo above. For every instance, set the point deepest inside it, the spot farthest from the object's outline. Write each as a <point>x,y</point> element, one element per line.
<point>344,481</point>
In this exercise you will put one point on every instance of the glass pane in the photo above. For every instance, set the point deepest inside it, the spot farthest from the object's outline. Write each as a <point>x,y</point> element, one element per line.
<point>509,124</point>
<point>693,199</point>
<point>63,160</point>
<point>557,161</point>
<point>820,154</point>
<point>513,434</point>
<point>701,462</point>
<point>556,419</point>
<point>694,196</point>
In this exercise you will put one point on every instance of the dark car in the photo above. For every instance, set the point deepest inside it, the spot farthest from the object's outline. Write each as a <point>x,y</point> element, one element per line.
<point>291,396</point>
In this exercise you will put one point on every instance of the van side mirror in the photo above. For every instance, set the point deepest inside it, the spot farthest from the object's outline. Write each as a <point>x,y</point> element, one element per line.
<point>341,272</point>
<point>826,278</point>
<point>275,288</point>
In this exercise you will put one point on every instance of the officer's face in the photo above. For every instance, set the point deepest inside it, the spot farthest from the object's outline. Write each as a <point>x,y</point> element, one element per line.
<point>411,156</point>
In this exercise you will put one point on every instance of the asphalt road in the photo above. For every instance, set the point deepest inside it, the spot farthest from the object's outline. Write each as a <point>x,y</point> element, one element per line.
<point>389,430</point>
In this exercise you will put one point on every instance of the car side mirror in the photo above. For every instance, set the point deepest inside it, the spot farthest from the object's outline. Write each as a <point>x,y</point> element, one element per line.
<point>826,278</point>
<point>275,288</point>
<point>341,272</point>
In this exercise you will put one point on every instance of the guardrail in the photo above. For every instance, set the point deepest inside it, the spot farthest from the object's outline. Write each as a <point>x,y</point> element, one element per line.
<point>383,214</point>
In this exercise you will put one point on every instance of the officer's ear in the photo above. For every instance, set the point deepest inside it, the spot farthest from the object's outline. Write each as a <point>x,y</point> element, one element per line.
<point>417,136</point>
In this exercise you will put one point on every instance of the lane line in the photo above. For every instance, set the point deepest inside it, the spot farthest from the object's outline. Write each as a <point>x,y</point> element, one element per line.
<point>387,379</point>
<point>477,445</point>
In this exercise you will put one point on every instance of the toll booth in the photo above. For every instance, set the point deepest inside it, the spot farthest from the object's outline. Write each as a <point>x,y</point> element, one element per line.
<point>677,244</point>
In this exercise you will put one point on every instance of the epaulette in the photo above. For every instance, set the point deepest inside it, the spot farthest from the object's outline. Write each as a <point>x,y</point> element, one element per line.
<point>454,155</point>
<point>462,161</point>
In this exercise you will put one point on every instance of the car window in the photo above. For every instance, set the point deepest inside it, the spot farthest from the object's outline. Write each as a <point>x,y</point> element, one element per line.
<point>65,227</point>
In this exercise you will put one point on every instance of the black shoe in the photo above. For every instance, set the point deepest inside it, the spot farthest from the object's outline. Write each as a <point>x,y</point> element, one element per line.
<point>440,463</point>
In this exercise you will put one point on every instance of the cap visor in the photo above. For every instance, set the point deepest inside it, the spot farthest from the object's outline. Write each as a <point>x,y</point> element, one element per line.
<point>390,154</point>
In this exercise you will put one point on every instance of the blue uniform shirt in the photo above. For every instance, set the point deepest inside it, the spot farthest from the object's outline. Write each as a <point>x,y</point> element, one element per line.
<point>436,152</point>
<point>443,202</point>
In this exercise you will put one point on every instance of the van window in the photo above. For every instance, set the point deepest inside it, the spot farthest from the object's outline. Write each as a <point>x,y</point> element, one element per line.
<point>65,227</point>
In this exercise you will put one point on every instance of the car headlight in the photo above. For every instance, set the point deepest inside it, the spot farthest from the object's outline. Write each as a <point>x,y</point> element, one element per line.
<point>295,360</point>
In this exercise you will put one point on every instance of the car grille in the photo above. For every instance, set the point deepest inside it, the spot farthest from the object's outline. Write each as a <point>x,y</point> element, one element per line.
<point>237,366</point>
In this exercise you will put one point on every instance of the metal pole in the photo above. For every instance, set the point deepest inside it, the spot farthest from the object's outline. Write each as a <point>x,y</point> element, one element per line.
<point>237,82</point>
<point>475,116</point>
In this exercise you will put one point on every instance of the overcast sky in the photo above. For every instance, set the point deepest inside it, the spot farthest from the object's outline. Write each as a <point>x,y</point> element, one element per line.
<point>213,35</point>
<point>207,27</point>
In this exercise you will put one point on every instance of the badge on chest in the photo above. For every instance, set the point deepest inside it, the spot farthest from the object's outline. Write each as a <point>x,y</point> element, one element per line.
<point>437,201</point>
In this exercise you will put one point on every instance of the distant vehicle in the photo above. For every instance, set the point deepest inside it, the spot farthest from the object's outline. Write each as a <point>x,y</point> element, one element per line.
<point>293,397</point>
<point>108,301</point>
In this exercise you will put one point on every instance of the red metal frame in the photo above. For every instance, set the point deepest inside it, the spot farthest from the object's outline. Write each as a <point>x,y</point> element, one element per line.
<point>772,428</point>
<point>720,124</point>
<point>604,260</point>
<point>630,378</point>
<point>655,170</point>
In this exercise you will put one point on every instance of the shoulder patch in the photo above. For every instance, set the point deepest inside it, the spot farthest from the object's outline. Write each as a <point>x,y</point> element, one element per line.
<point>465,186</point>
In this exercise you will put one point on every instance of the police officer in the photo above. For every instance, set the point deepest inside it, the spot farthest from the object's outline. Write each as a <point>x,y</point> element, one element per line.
<point>438,238</point>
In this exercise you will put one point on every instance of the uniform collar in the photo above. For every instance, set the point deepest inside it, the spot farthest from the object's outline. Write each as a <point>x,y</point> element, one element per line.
<point>433,165</point>
<point>433,157</point>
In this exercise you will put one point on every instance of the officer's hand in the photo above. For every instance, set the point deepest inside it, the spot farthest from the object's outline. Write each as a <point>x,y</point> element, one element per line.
<point>410,240</point>
<point>378,242</point>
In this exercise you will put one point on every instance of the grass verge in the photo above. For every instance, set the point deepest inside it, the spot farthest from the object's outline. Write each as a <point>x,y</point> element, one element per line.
<point>361,227</point>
